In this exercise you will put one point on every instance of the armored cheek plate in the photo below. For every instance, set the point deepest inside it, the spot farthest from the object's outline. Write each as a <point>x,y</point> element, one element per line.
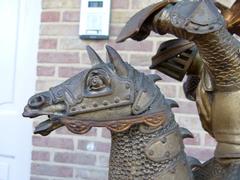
<point>122,94</point>
<point>69,91</point>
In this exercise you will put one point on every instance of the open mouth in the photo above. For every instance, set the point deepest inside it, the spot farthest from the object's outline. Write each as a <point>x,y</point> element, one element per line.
<point>46,127</point>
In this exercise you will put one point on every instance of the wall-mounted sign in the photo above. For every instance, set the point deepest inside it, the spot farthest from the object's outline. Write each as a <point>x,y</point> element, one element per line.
<point>94,19</point>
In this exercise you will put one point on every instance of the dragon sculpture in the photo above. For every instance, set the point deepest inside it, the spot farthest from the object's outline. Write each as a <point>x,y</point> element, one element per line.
<point>146,141</point>
<point>209,54</point>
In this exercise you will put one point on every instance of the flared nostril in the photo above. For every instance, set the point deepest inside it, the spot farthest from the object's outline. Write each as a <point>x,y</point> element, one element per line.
<point>36,101</point>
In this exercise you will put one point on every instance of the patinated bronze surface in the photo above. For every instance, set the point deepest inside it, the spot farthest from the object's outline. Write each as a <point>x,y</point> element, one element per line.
<point>146,141</point>
<point>216,65</point>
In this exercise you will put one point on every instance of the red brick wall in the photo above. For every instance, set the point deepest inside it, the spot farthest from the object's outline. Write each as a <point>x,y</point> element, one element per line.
<point>62,54</point>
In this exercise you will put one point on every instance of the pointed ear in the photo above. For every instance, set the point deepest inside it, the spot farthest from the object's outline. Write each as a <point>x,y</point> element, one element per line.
<point>93,56</point>
<point>117,61</point>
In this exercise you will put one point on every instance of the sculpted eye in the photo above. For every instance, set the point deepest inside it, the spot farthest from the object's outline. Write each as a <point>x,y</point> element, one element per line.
<point>96,83</point>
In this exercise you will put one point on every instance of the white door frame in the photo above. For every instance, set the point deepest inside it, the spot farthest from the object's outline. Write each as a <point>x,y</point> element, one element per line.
<point>28,39</point>
<point>17,147</point>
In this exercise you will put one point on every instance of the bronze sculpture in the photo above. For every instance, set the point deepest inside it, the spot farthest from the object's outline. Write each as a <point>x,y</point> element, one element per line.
<point>146,141</point>
<point>217,95</point>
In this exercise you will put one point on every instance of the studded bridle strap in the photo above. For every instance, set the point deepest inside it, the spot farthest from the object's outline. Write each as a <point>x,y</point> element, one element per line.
<point>82,126</point>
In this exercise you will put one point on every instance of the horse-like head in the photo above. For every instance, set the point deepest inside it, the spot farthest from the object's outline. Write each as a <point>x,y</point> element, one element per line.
<point>100,96</point>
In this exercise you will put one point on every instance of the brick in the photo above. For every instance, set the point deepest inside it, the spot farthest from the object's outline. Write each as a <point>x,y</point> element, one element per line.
<point>64,131</point>
<point>94,146</point>
<point>190,122</point>
<point>131,45</point>
<point>37,178</point>
<point>120,4</point>
<point>58,57</point>
<point>139,4</point>
<point>45,71</point>
<point>72,44</point>
<point>71,16</point>
<point>91,174</point>
<point>78,44</point>
<point>106,133</point>
<point>145,71</point>
<point>43,85</point>
<point>193,141</point>
<point>121,16</point>
<point>59,30</point>
<point>68,71</point>
<point>115,30</point>
<point>50,16</point>
<point>40,156</point>
<point>61,143</point>
<point>203,154</point>
<point>75,158</point>
<point>140,60</point>
<point>168,90</point>
<point>103,161</point>
<point>47,43</point>
<point>186,107</point>
<point>52,4</point>
<point>209,141</point>
<point>165,78</point>
<point>51,170</point>
<point>84,59</point>
<point>181,93</point>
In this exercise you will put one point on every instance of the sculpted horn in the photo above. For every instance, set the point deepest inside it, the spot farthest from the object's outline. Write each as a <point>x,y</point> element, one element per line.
<point>93,56</point>
<point>117,61</point>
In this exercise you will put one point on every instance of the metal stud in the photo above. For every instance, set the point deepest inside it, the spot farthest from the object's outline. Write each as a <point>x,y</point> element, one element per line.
<point>173,170</point>
<point>127,86</point>
<point>164,140</point>
<point>167,154</point>
<point>151,153</point>
<point>196,28</point>
<point>137,108</point>
<point>128,97</point>
<point>95,104</point>
<point>105,103</point>
<point>73,109</point>
<point>211,28</point>
<point>116,99</point>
